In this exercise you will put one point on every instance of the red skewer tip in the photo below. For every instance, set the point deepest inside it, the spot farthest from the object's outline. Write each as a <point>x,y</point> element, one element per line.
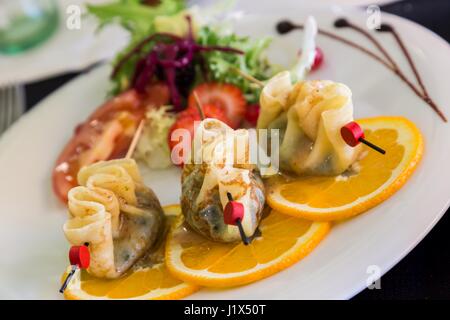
<point>79,256</point>
<point>352,133</point>
<point>233,215</point>
<point>233,212</point>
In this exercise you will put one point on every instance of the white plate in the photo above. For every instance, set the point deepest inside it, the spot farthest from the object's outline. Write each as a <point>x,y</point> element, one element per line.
<point>66,50</point>
<point>33,247</point>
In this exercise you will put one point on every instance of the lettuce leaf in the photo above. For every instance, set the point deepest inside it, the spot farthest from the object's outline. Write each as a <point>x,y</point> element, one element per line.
<point>139,20</point>
<point>253,62</point>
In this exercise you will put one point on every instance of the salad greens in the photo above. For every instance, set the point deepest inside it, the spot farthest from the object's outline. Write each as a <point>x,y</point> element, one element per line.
<point>252,62</point>
<point>134,16</point>
<point>139,20</point>
<point>169,16</point>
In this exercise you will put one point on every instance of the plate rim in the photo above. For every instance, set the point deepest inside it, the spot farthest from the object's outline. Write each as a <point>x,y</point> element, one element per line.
<point>356,288</point>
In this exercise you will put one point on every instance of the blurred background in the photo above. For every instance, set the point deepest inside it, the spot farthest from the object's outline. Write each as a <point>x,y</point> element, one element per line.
<point>42,47</point>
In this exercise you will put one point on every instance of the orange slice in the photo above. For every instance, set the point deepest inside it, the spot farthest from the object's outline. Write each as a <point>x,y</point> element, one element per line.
<point>284,240</point>
<point>147,283</point>
<point>375,179</point>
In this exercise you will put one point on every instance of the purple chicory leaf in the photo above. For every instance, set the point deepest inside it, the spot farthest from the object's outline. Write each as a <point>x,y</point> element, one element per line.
<point>173,54</point>
<point>146,74</point>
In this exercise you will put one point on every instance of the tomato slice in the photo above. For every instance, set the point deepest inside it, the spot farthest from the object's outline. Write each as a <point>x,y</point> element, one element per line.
<point>105,135</point>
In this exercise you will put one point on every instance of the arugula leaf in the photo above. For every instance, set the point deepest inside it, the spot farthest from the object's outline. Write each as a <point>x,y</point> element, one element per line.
<point>252,62</point>
<point>138,19</point>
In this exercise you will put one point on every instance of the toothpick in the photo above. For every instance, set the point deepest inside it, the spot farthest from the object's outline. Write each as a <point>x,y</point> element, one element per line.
<point>235,211</point>
<point>373,146</point>
<point>68,278</point>
<point>248,77</point>
<point>135,140</point>
<point>199,105</point>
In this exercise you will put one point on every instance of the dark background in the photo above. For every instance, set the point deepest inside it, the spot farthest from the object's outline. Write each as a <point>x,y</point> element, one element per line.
<point>425,272</point>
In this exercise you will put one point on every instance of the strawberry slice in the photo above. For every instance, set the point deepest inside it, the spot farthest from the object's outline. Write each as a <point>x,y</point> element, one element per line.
<point>186,120</point>
<point>252,114</point>
<point>223,95</point>
<point>318,59</point>
<point>210,111</point>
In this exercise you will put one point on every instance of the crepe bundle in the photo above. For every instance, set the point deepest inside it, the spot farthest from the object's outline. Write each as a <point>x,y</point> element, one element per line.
<point>115,213</point>
<point>221,163</point>
<point>309,115</point>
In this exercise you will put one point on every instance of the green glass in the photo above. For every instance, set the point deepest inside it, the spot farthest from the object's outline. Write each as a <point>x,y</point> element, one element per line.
<point>25,24</point>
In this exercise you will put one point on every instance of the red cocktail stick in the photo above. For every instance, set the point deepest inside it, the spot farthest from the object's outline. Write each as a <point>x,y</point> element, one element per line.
<point>79,257</point>
<point>353,134</point>
<point>233,215</point>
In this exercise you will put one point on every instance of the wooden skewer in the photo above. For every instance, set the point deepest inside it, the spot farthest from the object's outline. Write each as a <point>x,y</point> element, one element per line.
<point>248,77</point>
<point>199,105</point>
<point>135,140</point>
<point>238,222</point>
<point>77,256</point>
